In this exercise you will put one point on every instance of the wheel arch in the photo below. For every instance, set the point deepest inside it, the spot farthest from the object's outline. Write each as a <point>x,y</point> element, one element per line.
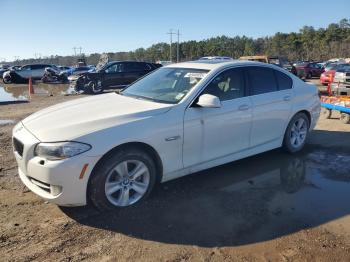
<point>307,113</point>
<point>139,145</point>
<point>304,111</point>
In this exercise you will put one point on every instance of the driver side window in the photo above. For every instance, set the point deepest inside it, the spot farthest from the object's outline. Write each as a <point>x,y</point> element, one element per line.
<point>116,68</point>
<point>27,67</point>
<point>228,85</point>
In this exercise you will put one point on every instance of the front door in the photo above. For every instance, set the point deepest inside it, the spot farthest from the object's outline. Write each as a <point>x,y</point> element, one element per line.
<point>114,76</point>
<point>211,133</point>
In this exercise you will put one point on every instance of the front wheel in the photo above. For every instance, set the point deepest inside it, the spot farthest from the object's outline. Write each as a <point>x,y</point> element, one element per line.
<point>94,87</point>
<point>7,79</point>
<point>296,133</point>
<point>122,179</point>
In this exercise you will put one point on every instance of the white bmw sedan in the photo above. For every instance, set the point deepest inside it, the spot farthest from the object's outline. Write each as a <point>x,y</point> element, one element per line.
<point>114,148</point>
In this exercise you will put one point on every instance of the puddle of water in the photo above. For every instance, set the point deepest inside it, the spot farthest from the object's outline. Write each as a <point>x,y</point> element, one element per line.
<point>6,122</point>
<point>17,93</point>
<point>13,95</point>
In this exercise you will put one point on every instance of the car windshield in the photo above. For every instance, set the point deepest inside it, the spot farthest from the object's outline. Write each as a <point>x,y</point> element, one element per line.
<point>166,85</point>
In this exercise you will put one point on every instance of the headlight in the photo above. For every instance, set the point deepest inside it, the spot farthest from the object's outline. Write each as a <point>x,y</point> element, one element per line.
<point>60,150</point>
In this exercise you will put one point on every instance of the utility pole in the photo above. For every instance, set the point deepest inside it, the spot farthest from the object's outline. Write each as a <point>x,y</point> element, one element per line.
<point>171,33</point>
<point>75,50</point>
<point>177,47</point>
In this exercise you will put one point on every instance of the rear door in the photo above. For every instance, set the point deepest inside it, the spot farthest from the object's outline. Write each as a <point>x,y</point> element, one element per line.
<point>271,95</point>
<point>135,70</point>
<point>37,71</point>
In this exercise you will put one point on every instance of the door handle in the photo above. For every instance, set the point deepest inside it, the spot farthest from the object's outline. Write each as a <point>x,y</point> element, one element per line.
<point>287,98</point>
<point>243,107</point>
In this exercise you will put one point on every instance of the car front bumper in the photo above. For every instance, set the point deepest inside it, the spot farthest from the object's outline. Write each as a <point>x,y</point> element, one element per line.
<point>60,182</point>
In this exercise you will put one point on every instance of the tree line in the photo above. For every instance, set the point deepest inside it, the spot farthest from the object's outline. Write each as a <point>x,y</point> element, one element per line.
<point>307,44</point>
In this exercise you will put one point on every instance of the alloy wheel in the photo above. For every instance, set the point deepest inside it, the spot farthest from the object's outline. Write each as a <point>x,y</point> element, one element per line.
<point>298,132</point>
<point>127,183</point>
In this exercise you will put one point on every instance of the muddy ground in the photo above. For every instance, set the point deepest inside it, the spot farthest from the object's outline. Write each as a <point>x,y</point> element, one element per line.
<point>270,207</point>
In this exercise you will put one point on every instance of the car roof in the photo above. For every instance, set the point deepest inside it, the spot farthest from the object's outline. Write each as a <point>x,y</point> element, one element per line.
<point>214,64</point>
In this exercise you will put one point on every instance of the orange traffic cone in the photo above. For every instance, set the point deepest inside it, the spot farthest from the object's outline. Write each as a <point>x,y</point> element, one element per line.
<point>30,87</point>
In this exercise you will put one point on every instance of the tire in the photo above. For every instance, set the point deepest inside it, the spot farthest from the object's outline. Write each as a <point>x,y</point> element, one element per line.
<point>105,175</point>
<point>93,88</point>
<point>345,118</point>
<point>295,136</point>
<point>6,80</point>
<point>309,76</point>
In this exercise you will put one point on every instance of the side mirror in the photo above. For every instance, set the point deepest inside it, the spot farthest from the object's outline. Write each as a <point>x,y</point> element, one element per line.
<point>209,101</point>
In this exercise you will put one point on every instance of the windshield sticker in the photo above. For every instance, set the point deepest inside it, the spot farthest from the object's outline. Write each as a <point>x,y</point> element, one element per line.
<point>179,96</point>
<point>196,75</point>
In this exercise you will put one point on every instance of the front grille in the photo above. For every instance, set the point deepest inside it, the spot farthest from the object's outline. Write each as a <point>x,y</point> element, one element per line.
<point>18,145</point>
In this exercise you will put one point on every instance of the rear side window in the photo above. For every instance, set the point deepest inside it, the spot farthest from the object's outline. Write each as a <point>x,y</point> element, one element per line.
<point>262,80</point>
<point>284,81</point>
<point>137,66</point>
<point>34,67</point>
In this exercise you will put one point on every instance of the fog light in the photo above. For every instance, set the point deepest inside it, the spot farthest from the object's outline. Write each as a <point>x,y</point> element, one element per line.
<point>55,190</point>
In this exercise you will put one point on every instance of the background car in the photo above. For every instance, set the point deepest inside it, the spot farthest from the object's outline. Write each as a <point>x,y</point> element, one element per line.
<point>341,82</point>
<point>64,68</point>
<point>22,74</point>
<point>309,69</point>
<point>116,74</point>
<point>329,72</point>
<point>77,70</point>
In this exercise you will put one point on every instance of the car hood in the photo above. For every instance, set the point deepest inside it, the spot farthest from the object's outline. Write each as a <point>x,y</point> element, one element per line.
<point>70,120</point>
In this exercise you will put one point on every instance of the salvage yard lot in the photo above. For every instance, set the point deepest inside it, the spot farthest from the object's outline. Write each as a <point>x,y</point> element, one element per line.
<point>273,206</point>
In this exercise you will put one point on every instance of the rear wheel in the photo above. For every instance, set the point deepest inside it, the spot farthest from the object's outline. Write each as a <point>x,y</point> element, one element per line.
<point>296,133</point>
<point>122,179</point>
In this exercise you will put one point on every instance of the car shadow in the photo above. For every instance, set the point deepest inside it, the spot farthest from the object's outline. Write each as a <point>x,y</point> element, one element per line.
<point>247,201</point>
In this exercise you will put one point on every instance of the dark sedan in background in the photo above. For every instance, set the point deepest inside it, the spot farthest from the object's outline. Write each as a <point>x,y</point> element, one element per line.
<point>116,74</point>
